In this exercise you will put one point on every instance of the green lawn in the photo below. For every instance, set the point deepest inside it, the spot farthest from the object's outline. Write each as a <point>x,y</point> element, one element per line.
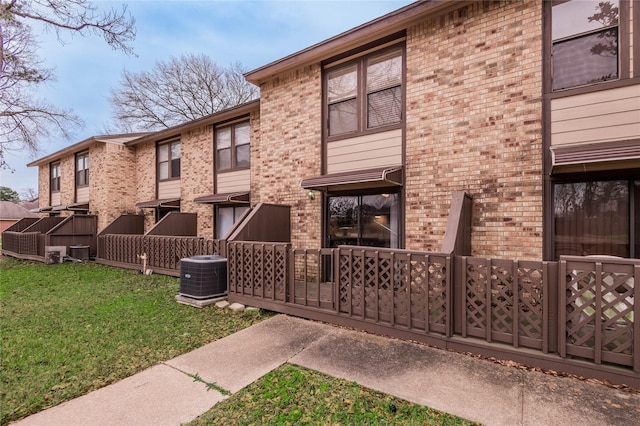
<point>71,328</point>
<point>293,395</point>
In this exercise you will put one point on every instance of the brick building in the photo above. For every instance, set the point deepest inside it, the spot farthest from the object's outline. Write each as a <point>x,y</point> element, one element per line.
<point>92,176</point>
<point>532,108</point>
<point>201,167</point>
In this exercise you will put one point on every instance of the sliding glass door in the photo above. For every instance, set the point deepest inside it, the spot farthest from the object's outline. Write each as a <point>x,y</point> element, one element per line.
<point>364,220</point>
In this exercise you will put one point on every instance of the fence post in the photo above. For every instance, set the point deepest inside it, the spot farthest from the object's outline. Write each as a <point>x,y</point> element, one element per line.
<point>636,318</point>
<point>463,296</point>
<point>408,293</point>
<point>335,278</point>
<point>291,274</point>
<point>562,309</point>
<point>597,326</point>
<point>550,276</point>
<point>515,303</point>
<point>487,300</point>
<point>449,296</point>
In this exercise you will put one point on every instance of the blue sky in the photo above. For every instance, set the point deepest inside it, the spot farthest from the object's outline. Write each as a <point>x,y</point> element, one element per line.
<point>253,33</point>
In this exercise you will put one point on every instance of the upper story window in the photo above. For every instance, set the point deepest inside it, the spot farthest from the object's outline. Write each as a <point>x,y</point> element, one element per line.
<point>55,177</point>
<point>82,169</point>
<point>585,42</point>
<point>169,160</point>
<point>233,146</point>
<point>365,94</point>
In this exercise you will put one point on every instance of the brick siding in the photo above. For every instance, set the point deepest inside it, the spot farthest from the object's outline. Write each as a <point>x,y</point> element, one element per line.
<point>112,176</point>
<point>473,122</point>
<point>196,175</point>
<point>289,149</point>
<point>474,114</point>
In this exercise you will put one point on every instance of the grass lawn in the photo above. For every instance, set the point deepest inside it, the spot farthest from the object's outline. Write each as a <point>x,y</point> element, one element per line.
<point>69,329</point>
<point>294,395</point>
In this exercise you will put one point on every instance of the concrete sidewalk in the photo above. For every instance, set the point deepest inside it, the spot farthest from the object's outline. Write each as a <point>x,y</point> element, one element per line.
<point>475,389</point>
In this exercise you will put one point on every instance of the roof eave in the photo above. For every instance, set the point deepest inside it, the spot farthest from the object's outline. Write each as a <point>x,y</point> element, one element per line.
<point>214,118</point>
<point>378,28</point>
<point>77,147</point>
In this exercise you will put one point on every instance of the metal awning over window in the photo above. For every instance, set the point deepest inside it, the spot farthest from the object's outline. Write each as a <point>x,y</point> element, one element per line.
<point>76,207</point>
<point>46,209</point>
<point>81,207</point>
<point>227,198</point>
<point>595,153</point>
<point>156,204</point>
<point>361,179</point>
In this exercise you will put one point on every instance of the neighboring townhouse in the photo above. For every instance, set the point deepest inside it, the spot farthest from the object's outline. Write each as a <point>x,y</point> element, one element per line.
<point>591,119</point>
<point>368,134</point>
<point>92,176</point>
<point>202,167</point>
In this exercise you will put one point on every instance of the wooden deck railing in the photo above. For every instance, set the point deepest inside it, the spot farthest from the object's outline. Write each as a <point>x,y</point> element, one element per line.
<point>577,307</point>
<point>29,244</point>
<point>163,253</point>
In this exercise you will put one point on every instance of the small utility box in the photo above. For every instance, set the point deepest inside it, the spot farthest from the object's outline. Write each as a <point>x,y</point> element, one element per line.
<point>54,254</point>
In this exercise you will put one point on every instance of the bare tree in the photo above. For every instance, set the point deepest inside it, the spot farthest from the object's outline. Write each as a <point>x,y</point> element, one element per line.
<point>26,119</point>
<point>28,194</point>
<point>181,89</point>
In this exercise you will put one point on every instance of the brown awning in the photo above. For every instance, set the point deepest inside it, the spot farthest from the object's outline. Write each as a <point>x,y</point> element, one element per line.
<point>361,179</point>
<point>78,207</point>
<point>155,204</point>
<point>227,198</point>
<point>595,153</point>
<point>47,209</point>
<point>71,207</point>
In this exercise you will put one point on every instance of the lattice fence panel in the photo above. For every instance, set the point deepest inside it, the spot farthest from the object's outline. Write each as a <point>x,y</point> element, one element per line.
<point>11,241</point>
<point>29,243</point>
<point>258,267</point>
<point>401,302</point>
<point>476,279</point>
<point>420,294</point>
<point>503,282</point>
<point>247,271</point>
<point>531,294</point>
<point>233,266</point>
<point>439,287</point>
<point>268,274</point>
<point>599,310</point>
<point>280,273</point>
<point>344,282</point>
<point>378,288</point>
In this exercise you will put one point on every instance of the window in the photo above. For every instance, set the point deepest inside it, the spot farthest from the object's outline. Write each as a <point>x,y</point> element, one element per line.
<point>364,220</point>
<point>233,146</point>
<point>585,42</point>
<point>226,217</point>
<point>169,160</point>
<point>365,94</point>
<point>597,218</point>
<point>82,169</point>
<point>55,177</point>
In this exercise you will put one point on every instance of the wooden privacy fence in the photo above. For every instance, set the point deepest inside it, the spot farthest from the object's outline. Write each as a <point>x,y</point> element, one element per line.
<point>28,238</point>
<point>555,315</point>
<point>23,244</point>
<point>163,252</point>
